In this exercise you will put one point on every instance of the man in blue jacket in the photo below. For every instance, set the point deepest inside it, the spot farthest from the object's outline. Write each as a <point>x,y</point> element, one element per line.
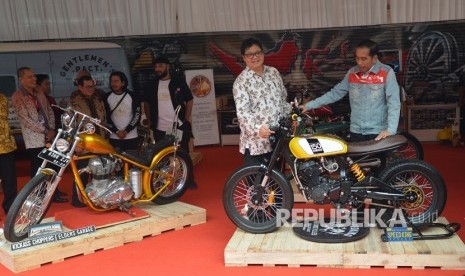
<point>373,95</point>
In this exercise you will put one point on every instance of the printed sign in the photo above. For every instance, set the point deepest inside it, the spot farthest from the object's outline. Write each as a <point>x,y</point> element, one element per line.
<point>45,229</point>
<point>396,234</point>
<point>204,117</point>
<point>52,238</point>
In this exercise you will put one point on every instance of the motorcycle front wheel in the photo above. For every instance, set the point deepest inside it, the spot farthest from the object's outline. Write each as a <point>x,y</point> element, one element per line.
<point>29,207</point>
<point>178,165</point>
<point>424,187</point>
<point>251,212</point>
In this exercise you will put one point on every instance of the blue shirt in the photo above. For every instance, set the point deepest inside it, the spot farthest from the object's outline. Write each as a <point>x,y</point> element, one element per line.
<point>374,99</point>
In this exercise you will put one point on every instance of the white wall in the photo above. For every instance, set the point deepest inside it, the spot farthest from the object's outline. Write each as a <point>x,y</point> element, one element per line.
<point>64,19</point>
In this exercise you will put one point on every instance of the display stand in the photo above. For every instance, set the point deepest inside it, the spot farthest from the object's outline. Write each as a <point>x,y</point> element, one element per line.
<point>162,218</point>
<point>284,248</point>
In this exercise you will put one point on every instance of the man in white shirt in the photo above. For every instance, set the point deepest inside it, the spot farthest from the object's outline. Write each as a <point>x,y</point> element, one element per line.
<point>163,96</point>
<point>123,113</point>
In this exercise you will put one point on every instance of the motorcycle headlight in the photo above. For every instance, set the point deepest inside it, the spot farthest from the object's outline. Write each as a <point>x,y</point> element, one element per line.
<point>65,119</point>
<point>62,145</point>
<point>89,128</point>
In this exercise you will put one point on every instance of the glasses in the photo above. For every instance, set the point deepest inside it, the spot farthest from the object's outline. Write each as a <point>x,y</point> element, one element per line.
<point>89,87</point>
<point>252,55</point>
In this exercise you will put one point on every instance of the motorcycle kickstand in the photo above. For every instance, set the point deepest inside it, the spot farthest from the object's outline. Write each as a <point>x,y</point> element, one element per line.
<point>450,229</point>
<point>125,208</point>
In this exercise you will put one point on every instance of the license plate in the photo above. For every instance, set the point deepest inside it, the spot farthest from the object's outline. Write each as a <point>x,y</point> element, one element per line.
<point>54,157</point>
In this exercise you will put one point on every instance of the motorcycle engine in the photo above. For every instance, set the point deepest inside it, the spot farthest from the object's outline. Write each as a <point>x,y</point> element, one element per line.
<point>320,186</point>
<point>102,166</point>
<point>104,190</point>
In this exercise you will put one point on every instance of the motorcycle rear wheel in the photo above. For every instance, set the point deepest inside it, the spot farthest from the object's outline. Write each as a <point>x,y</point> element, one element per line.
<point>181,168</point>
<point>423,183</point>
<point>29,207</point>
<point>241,206</point>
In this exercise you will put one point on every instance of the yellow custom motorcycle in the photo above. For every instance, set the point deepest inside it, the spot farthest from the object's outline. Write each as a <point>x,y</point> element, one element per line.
<point>159,174</point>
<point>328,170</point>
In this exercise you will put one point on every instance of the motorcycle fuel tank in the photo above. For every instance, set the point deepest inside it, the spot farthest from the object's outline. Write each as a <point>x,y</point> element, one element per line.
<point>316,146</point>
<point>96,144</point>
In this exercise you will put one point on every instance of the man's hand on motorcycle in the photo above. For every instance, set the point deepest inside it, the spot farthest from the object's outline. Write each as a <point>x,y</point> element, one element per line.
<point>264,131</point>
<point>49,135</point>
<point>303,108</point>
<point>382,134</point>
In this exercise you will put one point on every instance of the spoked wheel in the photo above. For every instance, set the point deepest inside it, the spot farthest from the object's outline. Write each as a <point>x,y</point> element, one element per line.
<point>412,150</point>
<point>29,207</point>
<point>174,166</point>
<point>432,56</point>
<point>255,209</point>
<point>423,186</point>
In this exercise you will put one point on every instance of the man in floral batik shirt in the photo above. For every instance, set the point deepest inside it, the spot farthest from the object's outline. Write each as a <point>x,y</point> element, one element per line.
<point>35,116</point>
<point>260,98</point>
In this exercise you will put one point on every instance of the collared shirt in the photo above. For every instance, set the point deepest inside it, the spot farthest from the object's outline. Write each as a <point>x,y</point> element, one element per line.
<point>33,123</point>
<point>7,141</point>
<point>374,100</point>
<point>259,100</point>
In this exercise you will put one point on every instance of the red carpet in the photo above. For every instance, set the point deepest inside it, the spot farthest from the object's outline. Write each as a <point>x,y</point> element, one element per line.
<point>81,217</point>
<point>199,250</point>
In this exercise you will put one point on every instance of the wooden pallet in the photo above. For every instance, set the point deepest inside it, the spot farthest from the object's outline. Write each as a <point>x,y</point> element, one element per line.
<point>162,218</point>
<point>283,247</point>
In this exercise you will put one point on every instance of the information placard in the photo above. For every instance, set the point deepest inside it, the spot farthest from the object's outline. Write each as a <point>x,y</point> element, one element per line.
<point>204,117</point>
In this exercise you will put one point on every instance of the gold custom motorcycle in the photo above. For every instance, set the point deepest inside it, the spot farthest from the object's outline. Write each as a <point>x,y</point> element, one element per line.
<point>160,173</point>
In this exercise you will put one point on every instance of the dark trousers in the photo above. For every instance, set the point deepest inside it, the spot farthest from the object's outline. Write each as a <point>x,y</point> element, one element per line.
<point>125,144</point>
<point>256,159</point>
<point>357,137</point>
<point>35,160</point>
<point>84,177</point>
<point>186,137</point>
<point>8,177</point>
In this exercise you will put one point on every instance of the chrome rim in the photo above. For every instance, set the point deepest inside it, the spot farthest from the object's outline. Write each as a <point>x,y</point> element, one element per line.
<point>176,168</point>
<point>33,208</point>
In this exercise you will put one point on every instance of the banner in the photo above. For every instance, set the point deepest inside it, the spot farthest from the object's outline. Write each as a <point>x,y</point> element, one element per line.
<point>204,117</point>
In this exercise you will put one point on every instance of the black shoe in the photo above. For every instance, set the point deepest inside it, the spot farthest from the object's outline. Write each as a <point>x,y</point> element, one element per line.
<point>59,199</point>
<point>78,204</point>
<point>192,186</point>
<point>60,193</point>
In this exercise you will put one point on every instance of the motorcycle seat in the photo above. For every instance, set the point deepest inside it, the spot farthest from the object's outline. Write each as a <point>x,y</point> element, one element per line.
<point>372,146</point>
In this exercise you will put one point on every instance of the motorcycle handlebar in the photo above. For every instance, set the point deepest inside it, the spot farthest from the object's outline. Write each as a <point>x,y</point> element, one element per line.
<point>84,116</point>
